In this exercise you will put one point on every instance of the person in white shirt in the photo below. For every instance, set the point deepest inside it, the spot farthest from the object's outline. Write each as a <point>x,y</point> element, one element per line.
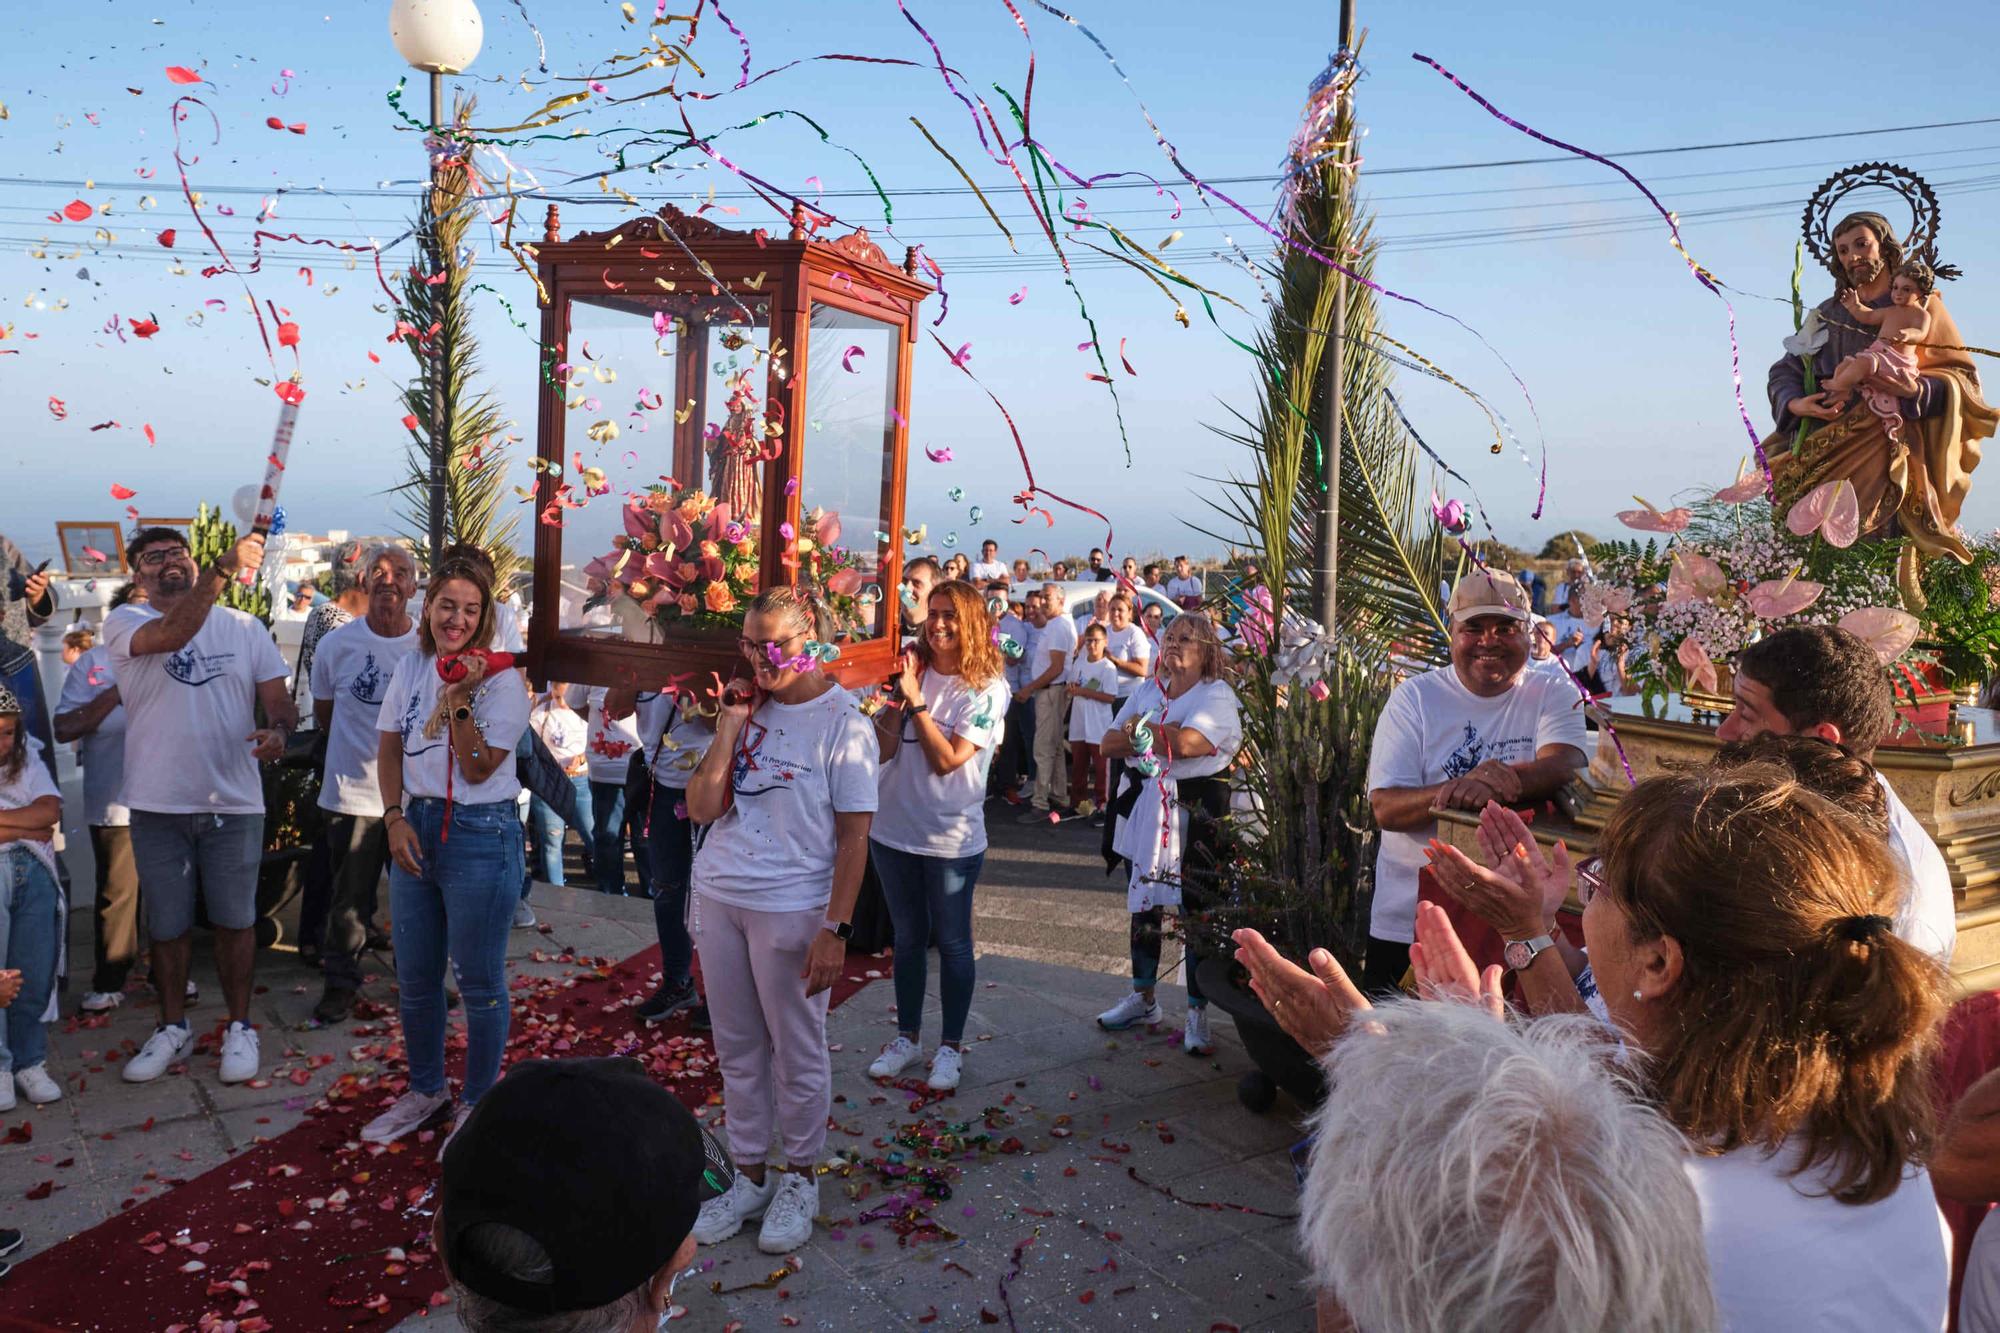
<point>1574,633</point>
<point>566,734</point>
<point>1053,648</point>
<point>90,716</point>
<point>1127,646</point>
<point>192,675</point>
<point>1820,680</point>
<point>989,566</point>
<point>1091,684</point>
<point>1185,588</point>
<point>1186,727</point>
<point>445,765</point>
<point>1484,727</point>
<point>350,677</point>
<point>1738,925</point>
<point>1014,762</point>
<point>608,751</point>
<point>31,907</point>
<point>788,790</point>
<point>928,840</point>
<point>919,577</point>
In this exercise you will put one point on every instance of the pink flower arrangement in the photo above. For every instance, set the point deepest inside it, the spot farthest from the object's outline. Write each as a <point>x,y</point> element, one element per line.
<point>683,558</point>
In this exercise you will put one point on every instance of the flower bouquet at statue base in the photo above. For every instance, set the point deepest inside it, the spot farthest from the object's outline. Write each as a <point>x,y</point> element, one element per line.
<point>684,562</point>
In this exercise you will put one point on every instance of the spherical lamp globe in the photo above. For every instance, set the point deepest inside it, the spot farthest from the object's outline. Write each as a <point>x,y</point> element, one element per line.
<point>437,36</point>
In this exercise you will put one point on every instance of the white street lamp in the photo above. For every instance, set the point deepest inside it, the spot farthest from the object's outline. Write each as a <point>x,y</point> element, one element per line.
<point>439,37</point>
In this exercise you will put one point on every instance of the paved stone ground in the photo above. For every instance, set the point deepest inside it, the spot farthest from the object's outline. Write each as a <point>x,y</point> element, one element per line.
<point>1106,1251</point>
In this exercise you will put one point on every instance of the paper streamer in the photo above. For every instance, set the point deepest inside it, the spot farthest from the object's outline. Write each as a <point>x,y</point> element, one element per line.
<point>1701,275</point>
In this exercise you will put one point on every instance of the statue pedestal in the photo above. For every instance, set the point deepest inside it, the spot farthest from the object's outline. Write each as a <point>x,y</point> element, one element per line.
<point>1953,790</point>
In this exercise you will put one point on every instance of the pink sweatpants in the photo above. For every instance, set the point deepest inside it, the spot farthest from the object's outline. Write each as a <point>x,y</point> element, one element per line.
<point>770,1040</point>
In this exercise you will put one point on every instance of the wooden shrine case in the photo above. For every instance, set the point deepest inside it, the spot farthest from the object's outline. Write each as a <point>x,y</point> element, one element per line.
<point>753,393</point>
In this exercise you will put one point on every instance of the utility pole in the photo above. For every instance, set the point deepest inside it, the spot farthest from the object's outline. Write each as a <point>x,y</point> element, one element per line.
<point>1327,528</point>
<point>440,445</point>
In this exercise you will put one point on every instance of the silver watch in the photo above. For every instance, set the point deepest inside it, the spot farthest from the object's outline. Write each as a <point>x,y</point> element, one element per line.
<point>1519,953</point>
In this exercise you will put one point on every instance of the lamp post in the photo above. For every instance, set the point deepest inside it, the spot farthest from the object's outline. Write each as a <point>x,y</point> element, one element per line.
<point>439,37</point>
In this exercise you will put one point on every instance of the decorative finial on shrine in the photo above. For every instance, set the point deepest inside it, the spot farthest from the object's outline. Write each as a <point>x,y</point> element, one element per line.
<point>552,226</point>
<point>910,260</point>
<point>799,232</point>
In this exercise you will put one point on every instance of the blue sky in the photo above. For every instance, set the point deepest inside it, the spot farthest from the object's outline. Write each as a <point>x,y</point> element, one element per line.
<point>1627,359</point>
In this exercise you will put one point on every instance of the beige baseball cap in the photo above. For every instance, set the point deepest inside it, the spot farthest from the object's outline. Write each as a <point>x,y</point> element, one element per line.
<point>1484,593</point>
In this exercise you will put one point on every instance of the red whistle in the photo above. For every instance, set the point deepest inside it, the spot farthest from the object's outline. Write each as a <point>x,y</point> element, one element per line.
<point>451,670</point>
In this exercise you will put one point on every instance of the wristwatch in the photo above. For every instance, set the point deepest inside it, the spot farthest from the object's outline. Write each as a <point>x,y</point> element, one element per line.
<point>461,713</point>
<point>844,929</point>
<point>1519,953</point>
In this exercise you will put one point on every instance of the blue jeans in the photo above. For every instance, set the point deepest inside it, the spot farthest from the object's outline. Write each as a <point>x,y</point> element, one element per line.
<point>607,835</point>
<point>638,815</point>
<point>29,917</point>
<point>545,829</point>
<point>929,894</point>
<point>461,907</point>
<point>672,838</point>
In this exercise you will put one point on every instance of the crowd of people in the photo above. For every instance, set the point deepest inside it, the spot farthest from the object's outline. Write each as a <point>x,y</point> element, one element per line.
<point>1708,1105</point>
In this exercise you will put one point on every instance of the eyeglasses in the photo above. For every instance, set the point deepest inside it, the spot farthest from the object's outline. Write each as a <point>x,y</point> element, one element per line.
<point>1589,879</point>
<point>159,555</point>
<point>766,650</point>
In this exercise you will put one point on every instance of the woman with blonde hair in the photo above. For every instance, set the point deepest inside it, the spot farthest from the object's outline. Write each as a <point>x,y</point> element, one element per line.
<point>448,724</point>
<point>787,789</point>
<point>1177,734</point>
<point>929,839</point>
<point>1741,930</point>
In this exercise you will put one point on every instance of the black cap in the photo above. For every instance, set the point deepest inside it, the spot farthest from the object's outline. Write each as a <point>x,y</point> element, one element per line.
<point>603,1167</point>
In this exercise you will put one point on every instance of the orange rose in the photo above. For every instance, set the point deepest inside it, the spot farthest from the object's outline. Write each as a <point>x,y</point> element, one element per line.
<point>719,598</point>
<point>687,603</point>
<point>710,549</point>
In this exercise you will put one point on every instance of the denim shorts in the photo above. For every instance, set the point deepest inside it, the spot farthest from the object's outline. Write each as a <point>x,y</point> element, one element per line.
<point>176,853</point>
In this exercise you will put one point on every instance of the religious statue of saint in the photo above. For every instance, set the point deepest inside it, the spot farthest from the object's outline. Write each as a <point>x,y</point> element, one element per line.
<point>1839,392</point>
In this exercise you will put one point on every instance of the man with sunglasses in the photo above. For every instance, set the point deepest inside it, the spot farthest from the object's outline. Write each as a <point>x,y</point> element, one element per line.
<point>191,675</point>
<point>1482,728</point>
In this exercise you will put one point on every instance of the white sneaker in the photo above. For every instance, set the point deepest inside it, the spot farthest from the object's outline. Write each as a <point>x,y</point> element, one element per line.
<point>944,1068</point>
<point>102,1001</point>
<point>240,1057</point>
<point>524,915</point>
<point>407,1112</point>
<point>1196,1040</point>
<point>6,1091</point>
<point>35,1084</point>
<point>723,1217</point>
<point>168,1044</point>
<point>1134,1008</point>
<point>458,1119</point>
<point>897,1056</point>
<point>788,1222</point>
<point>192,993</point>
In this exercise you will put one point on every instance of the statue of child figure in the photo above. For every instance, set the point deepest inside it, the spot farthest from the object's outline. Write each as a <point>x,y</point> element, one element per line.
<point>1886,371</point>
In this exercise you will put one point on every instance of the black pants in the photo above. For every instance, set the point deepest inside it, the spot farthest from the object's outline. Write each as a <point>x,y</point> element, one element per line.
<point>359,846</point>
<point>1382,971</point>
<point>1148,928</point>
<point>1016,759</point>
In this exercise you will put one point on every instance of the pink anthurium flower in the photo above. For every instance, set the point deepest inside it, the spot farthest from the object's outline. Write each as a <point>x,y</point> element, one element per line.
<point>1694,659</point>
<point>1694,578</point>
<point>1787,596</point>
<point>844,582</point>
<point>1747,486</point>
<point>1832,509</point>
<point>1888,630</point>
<point>1652,519</point>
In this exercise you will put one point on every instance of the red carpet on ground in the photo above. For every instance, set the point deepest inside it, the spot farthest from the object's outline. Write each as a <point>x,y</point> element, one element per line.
<point>313,1229</point>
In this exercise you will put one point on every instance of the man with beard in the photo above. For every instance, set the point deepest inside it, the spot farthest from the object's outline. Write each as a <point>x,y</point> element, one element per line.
<point>191,674</point>
<point>1483,728</point>
<point>1915,489</point>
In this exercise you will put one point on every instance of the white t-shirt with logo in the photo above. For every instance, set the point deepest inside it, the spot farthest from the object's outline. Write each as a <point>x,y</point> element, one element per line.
<point>985,571</point>
<point>499,711</point>
<point>189,714</point>
<point>612,741</point>
<point>563,730</point>
<point>1783,1254</point>
<point>681,749</point>
<point>102,752</point>
<point>351,668</point>
<point>927,814</point>
<point>1929,916</point>
<point>1433,729</point>
<point>795,766</point>
<point>1131,643</point>
<point>1089,719</point>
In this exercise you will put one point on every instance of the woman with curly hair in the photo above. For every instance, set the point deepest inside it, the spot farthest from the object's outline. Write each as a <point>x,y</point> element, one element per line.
<point>929,839</point>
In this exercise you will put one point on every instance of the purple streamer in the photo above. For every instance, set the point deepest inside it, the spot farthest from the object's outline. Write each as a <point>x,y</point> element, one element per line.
<point>945,72</point>
<point>742,79</point>
<point>1701,275</point>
